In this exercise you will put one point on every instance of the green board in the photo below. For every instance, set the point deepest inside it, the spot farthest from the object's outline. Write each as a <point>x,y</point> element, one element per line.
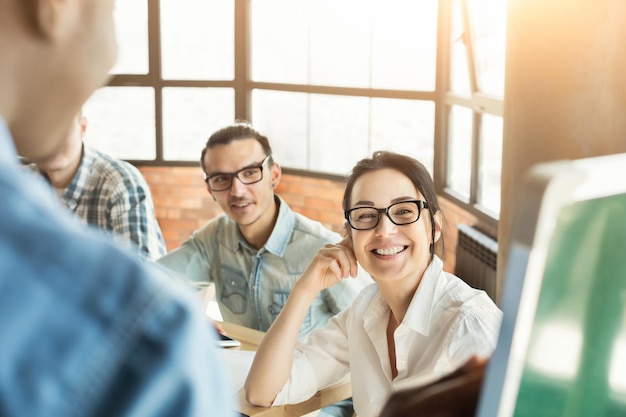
<point>561,350</point>
<point>575,363</point>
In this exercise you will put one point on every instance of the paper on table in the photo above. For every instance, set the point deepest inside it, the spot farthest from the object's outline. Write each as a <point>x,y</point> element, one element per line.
<point>237,364</point>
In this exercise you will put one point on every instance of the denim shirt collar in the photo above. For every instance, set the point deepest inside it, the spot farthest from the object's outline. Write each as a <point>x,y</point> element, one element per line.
<point>281,234</point>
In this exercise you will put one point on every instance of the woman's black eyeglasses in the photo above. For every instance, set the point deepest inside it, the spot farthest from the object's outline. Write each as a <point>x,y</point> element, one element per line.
<point>404,212</point>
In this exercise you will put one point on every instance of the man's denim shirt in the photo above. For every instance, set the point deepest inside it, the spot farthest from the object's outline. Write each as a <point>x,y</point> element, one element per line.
<point>251,286</point>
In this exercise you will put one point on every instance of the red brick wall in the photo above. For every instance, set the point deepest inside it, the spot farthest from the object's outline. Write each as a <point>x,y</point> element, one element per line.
<point>182,204</point>
<point>181,201</point>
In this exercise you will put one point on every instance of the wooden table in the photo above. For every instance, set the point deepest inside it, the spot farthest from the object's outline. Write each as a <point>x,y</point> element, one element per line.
<point>250,340</point>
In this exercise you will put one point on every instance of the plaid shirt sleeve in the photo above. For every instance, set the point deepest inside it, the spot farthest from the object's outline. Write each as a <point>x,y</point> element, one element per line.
<point>113,195</point>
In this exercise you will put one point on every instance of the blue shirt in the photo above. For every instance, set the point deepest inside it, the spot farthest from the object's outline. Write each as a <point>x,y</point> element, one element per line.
<point>252,286</point>
<point>114,196</point>
<point>87,329</point>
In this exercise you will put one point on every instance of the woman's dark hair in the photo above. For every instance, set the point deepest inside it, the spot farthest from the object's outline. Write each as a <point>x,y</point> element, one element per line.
<point>414,171</point>
<point>239,130</point>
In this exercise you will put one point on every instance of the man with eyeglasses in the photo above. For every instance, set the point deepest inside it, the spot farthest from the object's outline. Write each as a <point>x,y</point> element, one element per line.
<point>256,251</point>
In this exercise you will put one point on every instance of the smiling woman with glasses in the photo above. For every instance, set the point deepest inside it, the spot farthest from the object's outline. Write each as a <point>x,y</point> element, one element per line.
<point>415,324</point>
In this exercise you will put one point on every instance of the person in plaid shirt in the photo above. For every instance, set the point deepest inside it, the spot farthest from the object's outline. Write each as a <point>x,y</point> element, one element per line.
<point>105,192</point>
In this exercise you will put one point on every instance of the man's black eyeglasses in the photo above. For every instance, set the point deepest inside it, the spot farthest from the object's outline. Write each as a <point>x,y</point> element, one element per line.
<point>222,181</point>
<point>404,212</point>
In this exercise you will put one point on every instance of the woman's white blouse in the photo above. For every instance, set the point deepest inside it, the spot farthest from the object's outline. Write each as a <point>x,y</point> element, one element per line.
<point>446,323</point>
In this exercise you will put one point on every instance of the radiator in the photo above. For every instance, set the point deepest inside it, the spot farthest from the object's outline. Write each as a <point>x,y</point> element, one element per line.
<point>477,259</point>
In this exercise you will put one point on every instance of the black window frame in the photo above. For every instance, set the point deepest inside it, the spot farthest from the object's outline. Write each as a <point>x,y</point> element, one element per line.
<point>243,86</point>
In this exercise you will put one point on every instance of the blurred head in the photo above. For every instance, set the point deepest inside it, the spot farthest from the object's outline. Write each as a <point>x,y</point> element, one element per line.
<point>241,175</point>
<point>54,55</point>
<point>380,181</point>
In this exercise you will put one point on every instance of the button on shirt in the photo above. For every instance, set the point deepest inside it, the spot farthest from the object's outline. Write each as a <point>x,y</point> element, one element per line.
<point>252,285</point>
<point>114,196</point>
<point>87,329</point>
<point>446,323</point>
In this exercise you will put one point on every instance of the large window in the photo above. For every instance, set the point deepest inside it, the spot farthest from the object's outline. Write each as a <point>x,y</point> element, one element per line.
<point>329,82</point>
<point>471,130</point>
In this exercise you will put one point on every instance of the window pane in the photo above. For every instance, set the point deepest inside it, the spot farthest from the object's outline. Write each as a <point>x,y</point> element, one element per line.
<point>302,128</point>
<point>190,116</point>
<point>459,69</point>
<point>197,39</point>
<point>282,117</point>
<point>490,163</point>
<point>460,150</point>
<point>348,43</point>
<point>488,20</point>
<point>279,41</point>
<point>404,126</point>
<point>131,29</point>
<point>339,127</point>
<point>340,43</point>
<point>120,122</point>
<point>404,45</point>
<point>323,133</point>
<point>315,132</point>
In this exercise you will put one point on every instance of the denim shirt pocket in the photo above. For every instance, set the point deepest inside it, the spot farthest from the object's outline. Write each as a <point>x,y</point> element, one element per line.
<point>234,294</point>
<point>279,298</point>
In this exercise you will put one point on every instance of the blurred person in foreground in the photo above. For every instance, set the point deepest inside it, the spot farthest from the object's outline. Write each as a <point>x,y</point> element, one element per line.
<point>105,192</point>
<point>413,325</point>
<point>86,328</point>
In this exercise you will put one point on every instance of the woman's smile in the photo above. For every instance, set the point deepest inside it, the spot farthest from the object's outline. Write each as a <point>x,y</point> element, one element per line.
<point>389,251</point>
